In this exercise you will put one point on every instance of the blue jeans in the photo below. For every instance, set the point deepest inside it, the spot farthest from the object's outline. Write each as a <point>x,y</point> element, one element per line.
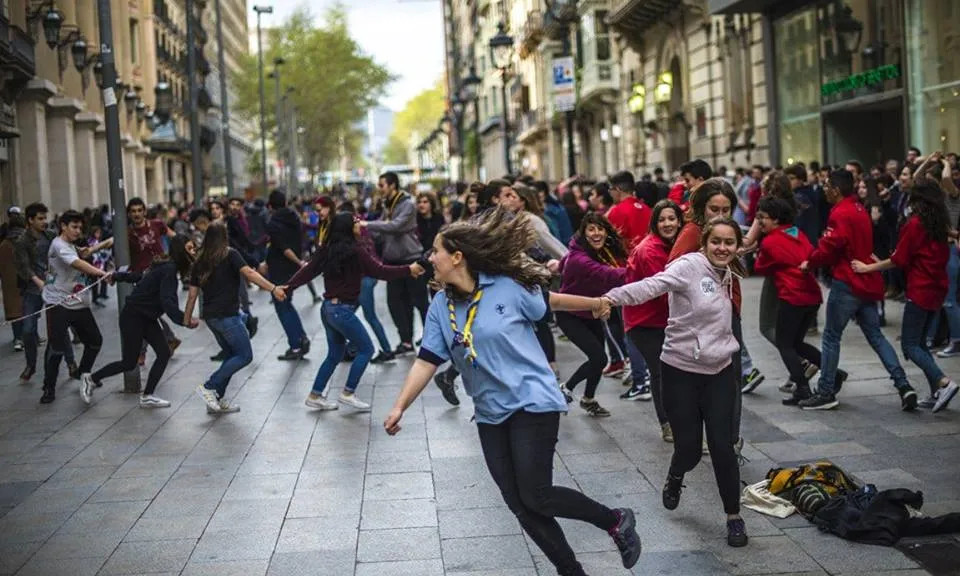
<point>341,324</point>
<point>369,307</point>
<point>842,305</point>
<point>638,366</point>
<point>233,337</point>
<point>290,321</point>
<point>916,320</point>
<point>950,303</point>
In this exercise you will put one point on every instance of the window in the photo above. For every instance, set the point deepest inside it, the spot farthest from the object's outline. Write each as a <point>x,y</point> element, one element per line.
<point>134,41</point>
<point>603,35</point>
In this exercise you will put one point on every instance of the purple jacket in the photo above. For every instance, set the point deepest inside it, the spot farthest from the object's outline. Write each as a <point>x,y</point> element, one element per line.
<point>581,275</point>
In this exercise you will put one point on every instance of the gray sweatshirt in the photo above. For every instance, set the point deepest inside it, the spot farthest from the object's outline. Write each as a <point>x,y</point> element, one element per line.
<point>399,232</point>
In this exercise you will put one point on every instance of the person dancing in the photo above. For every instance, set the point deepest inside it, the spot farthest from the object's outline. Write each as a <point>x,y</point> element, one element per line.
<point>484,323</point>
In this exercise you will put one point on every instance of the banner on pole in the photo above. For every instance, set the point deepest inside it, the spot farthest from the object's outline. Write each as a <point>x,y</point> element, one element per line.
<point>564,85</point>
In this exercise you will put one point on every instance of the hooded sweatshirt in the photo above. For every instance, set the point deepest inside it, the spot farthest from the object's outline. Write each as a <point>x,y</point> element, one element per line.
<point>398,230</point>
<point>699,335</point>
<point>285,232</point>
<point>781,253</point>
<point>582,275</point>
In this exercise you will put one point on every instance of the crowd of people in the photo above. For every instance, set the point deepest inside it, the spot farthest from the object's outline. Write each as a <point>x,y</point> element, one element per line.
<point>642,277</point>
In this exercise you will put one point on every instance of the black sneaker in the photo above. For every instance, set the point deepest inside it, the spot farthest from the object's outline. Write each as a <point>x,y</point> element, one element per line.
<point>383,357</point>
<point>304,346</point>
<point>751,381</point>
<point>447,387</point>
<point>842,376</point>
<point>671,492</point>
<point>908,399</point>
<point>219,356</point>
<point>403,349</point>
<point>74,370</point>
<point>253,323</point>
<point>291,354</point>
<point>625,536</point>
<point>637,393</point>
<point>797,397</point>
<point>820,402</point>
<point>48,396</point>
<point>736,533</point>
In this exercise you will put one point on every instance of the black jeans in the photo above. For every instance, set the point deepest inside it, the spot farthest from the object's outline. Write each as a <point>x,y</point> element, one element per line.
<point>59,320</point>
<point>588,335</point>
<point>649,341</point>
<point>519,455</point>
<point>738,371</point>
<point>697,401</point>
<point>769,304</point>
<point>134,329</point>
<point>792,325</point>
<point>403,296</point>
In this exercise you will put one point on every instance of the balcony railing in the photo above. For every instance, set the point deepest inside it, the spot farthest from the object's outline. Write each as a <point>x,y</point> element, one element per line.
<point>530,123</point>
<point>4,37</point>
<point>532,33</point>
<point>22,57</point>
<point>597,77</point>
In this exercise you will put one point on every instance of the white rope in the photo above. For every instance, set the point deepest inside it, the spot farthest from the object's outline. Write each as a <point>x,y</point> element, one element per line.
<point>74,296</point>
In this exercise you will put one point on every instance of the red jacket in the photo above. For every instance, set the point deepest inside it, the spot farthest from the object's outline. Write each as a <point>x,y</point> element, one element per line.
<point>848,237</point>
<point>925,262</point>
<point>678,193</point>
<point>781,253</point>
<point>648,258</point>
<point>631,217</point>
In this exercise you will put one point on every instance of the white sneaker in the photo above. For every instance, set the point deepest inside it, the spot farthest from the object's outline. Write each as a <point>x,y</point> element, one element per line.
<point>209,397</point>
<point>952,349</point>
<point>86,388</point>
<point>321,403</point>
<point>787,387</point>
<point>228,408</point>
<point>354,402</point>
<point>151,401</point>
<point>946,395</point>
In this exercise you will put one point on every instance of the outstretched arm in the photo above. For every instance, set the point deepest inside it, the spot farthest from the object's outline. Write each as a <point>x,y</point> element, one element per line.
<point>417,379</point>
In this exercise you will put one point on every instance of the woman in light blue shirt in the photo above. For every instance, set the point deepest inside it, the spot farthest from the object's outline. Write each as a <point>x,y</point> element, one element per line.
<point>485,323</point>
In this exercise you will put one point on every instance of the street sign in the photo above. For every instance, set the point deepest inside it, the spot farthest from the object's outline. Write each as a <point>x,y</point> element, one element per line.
<point>564,85</point>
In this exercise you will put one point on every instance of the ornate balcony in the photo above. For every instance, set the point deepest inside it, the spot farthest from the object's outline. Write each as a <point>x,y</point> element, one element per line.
<point>530,124</point>
<point>532,33</point>
<point>18,65</point>
<point>598,77</point>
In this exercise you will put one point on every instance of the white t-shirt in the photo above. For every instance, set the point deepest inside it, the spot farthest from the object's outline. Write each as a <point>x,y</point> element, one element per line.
<point>63,280</point>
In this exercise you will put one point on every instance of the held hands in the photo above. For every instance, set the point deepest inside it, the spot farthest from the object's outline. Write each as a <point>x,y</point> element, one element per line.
<point>601,308</point>
<point>279,292</point>
<point>392,423</point>
<point>859,267</point>
<point>553,266</point>
<point>416,270</point>
<point>192,324</point>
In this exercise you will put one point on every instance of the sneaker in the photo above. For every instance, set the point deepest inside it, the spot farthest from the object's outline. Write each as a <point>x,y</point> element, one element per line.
<point>751,381</point>
<point>787,387</point>
<point>403,349</point>
<point>567,393</point>
<point>952,349</point>
<point>625,536</point>
<point>26,375</point>
<point>86,388</point>
<point>226,408</point>
<point>321,403</point>
<point>819,402</point>
<point>929,402</point>
<point>638,393</point>
<point>209,397</point>
<point>671,492</point>
<point>736,533</point>
<point>174,344</point>
<point>218,357</point>
<point>253,324</point>
<point>18,345</point>
<point>49,395</point>
<point>594,408</point>
<point>666,433</point>
<point>74,370</point>
<point>292,354</point>
<point>842,376</point>
<point>908,399</point>
<point>448,389</point>
<point>945,395</point>
<point>810,370</point>
<point>383,358</point>
<point>151,401</point>
<point>797,397</point>
<point>304,346</point>
<point>352,401</point>
<point>614,370</point>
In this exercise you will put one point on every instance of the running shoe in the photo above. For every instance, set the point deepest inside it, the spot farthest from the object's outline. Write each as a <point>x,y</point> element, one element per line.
<point>18,345</point>
<point>929,402</point>
<point>304,346</point>
<point>293,354</point>
<point>74,370</point>
<point>567,393</point>
<point>809,369</point>
<point>637,393</point>
<point>614,370</point>
<point>403,349</point>
<point>952,349</point>
<point>227,408</point>
<point>253,324</point>
<point>218,357</point>
<point>86,388</point>
<point>908,399</point>
<point>321,403</point>
<point>666,432</point>
<point>842,376</point>
<point>820,402</point>
<point>751,381</point>
<point>787,387</point>
<point>797,397</point>
<point>736,533</point>
<point>445,382</point>
<point>209,398</point>
<point>625,536</point>
<point>151,401</point>
<point>671,492</point>
<point>352,401</point>
<point>945,395</point>
<point>49,395</point>
<point>383,357</point>
<point>594,408</point>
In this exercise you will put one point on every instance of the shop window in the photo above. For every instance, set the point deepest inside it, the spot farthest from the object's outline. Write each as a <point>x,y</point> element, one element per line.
<point>734,46</point>
<point>933,38</point>
<point>134,41</point>
<point>798,86</point>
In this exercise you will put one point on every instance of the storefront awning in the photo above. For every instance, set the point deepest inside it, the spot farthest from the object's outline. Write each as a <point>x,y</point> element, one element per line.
<point>740,6</point>
<point>634,17</point>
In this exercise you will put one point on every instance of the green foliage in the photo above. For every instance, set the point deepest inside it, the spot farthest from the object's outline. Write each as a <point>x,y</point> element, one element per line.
<point>419,118</point>
<point>334,82</point>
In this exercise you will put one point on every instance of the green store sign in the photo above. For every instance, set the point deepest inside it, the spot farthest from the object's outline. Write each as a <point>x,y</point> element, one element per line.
<point>865,78</point>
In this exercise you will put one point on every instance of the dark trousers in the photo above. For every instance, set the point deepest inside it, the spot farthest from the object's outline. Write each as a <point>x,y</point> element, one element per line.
<point>695,402</point>
<point>738,371</point>
<point>403,296</point>
<point>792,325</point>
<point>59,320</point>
<point>135,329</point>
<point>769,304</point>
<point>649,341</point>
<point>519,455</point>
<point>615,337</point>
<point>588,335</point>
<point>545,337</point>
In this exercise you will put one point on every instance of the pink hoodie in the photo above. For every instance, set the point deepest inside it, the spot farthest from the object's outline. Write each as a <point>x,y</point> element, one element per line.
<point>699,334</point>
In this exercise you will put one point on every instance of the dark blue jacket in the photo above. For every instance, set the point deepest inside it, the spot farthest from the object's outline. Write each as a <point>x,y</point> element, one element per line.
<point>557,215</point>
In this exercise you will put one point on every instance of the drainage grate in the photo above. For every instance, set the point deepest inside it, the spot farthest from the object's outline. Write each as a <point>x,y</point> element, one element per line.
<point>940,556</point>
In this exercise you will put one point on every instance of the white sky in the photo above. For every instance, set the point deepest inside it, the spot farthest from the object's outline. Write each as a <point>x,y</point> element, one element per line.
<point>404,35</point>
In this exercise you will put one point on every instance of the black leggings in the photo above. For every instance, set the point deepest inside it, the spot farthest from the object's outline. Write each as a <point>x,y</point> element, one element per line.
<point>59,321</point>
<point>134,329</point>
<point>697,401</point>
<point>588,335</point>
<point>649,341</point>
<point>792,325</point>
<point>519,455</point>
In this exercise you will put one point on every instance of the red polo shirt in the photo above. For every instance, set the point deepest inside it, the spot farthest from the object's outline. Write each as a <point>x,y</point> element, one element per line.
<point>631,217</point>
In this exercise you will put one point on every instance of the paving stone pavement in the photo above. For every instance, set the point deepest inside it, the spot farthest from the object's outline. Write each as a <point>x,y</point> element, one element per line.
<point>277,489</point>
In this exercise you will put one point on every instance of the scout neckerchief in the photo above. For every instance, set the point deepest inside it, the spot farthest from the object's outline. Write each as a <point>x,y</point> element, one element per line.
<point>606,256</point>
<point>393,204</point>
<point>465,338</point>
<point>322,233</point>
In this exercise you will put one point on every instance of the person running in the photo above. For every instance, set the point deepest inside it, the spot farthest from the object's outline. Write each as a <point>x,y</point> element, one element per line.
<point>344,262</point>
<point>66,293</point>
<point>849,237</point>
<point>483,321</point>
<point>594,265</point>
<point>218,272</point>
<point>283,261</point>
<point>155,294</point>
<point>697,361</point>
<point>146,244</point>
<point>646,323</point>
<point>922,253</point>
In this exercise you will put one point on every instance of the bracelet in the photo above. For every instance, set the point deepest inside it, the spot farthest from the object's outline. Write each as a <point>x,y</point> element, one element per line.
<point>272,290</point>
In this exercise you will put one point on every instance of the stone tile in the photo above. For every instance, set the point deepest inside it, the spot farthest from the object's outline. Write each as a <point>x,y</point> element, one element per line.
<point>505,572</point>
<point>149,466</point>
<point>387,514</point>
<point>837,555</point>
<point>262,487</point>
<point>92,545</point>
<point>173,528</point>
<point>145,557</point>
<point>240,515</point>
<point>73,566</point>
<point>793,451</point>
<point>603,483</point>
<point>474,522</point>
<point>314,534</point>
<point>393,462</point>
<point>409,568</point>
<point>312,563</point>
<point>398,545</point>
<point>681,563</point>
<point>487,553</point>
<point>17,526</point>
<point>764,555</point>
<point>108,516</point>
<point>13,493</point>
<point>597,462</point>
<point>308,504</point>
<point>228,568</point>
<point>129,489</point>
<point>247,544</point>
<point>401,486</point>
<point>13,555</point>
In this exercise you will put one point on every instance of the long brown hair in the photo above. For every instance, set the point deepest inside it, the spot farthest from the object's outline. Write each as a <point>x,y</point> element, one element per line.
<point>530,198</point>
<point>710,188</point>
<point>216,246</point>
<point>614,242</point>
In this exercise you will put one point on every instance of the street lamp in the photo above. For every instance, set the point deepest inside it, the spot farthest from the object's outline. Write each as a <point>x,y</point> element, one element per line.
<point>224,107</point>
<point>277,62</point>
<point>565,13</point>
<point>164,102</point>
<point>470,87</point>
<point>501,54</point>
<point>79,53</point>
<point>260,10</point>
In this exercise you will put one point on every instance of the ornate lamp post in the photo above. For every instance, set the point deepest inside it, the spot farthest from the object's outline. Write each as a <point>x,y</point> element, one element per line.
<point>470,93</point>
<point>501,54</point>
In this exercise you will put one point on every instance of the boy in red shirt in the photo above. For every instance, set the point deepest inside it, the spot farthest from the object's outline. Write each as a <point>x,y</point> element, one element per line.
<point>922,253</point>
<point>629,215</point>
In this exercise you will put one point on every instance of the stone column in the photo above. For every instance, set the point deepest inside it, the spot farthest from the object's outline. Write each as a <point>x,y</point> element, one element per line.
<point>62,163</point>
<point>101,193</point>
<point>32,145</point>
<point>141,165</point>
<point>85,125</point>
<point>131,177</point>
